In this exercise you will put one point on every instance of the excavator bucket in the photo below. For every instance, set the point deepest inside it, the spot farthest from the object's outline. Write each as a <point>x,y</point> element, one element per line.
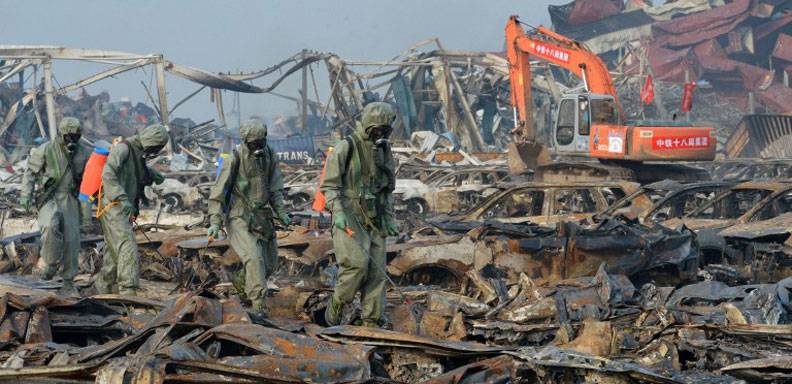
<point>525,156</point>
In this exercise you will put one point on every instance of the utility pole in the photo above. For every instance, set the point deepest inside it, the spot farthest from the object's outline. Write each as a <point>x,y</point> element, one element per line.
<point>304,97</point>
<point>159,69</point>
<point>238,110</point>
<point>49,99</point>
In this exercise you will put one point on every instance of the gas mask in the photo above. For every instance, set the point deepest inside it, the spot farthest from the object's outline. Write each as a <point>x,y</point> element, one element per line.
<point>71,140</point>
<point>379,135</point>
<point>151,152</point>
<point>257,147</point>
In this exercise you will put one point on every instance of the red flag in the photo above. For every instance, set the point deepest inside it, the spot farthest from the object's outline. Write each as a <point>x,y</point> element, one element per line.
<point>647,92</point>
<point>687,97</point>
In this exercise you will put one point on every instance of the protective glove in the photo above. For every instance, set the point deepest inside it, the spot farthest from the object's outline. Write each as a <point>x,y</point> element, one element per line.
<point>284,218</point>
<point>127,209</point>
<point>157,177</point>
<point>340,220</point>
<point>213,232</point>
<point>390,226</point>
<point>25,203</point>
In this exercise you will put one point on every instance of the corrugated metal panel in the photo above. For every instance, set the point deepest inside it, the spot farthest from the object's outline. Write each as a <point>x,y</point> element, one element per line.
<point>756,134</point>
<point>783,47</point>
<point>718,67</point>
<point>578,12</point>
<point>701,21</point>
<point>698,27</point>
<point>589,11</point>
<point>777,98</point>
<point>610,24</point>
<point>670,65</point>
<point>767,28</point>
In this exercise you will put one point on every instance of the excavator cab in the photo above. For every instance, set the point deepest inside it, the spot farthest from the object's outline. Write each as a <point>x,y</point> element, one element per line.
<point>577,114</point>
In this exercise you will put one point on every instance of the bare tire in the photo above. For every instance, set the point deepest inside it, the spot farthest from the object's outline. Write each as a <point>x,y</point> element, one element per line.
<point>417,206</point>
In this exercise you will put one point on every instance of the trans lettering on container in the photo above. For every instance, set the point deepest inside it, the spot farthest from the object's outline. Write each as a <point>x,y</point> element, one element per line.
<point>680,142</point>
<point>293,156</point>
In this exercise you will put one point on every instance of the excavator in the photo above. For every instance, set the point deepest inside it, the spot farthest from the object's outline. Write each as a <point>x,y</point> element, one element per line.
<point>590,124</point>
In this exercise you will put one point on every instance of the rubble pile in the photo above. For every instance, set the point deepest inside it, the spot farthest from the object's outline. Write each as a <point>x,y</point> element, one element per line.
<point>496,322</point>
<point>559,274</point>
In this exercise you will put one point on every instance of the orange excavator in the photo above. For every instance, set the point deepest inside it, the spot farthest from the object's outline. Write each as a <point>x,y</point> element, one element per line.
<point>589,124</point>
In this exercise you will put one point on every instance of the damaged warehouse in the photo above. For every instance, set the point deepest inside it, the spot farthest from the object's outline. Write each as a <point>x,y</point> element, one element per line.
<point>606,200</point>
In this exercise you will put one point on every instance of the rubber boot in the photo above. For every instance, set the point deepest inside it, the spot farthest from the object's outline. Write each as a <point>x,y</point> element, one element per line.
<point>259,306</point>
<point>68,289</point>
<point>128,292</point>
<point>333,312</point>
<point>46,276</point>
<point>258,311</point>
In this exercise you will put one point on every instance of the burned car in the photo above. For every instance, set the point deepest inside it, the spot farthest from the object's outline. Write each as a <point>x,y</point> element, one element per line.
<point>750,169</point>
<point>299,188</point>
<point>757,251</point>
<point>177,196</point>
<point>665,200</point>
<point>451,192</point>
<point>744,203</point>
<point>545,203</point>
<point>546,254</point>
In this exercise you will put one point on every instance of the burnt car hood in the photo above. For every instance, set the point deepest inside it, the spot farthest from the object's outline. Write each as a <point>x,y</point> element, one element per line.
<point>697,224</point>
<point>776,226</point>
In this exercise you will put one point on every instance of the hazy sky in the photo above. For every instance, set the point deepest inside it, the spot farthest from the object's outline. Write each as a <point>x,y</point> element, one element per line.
<point>249,35</point>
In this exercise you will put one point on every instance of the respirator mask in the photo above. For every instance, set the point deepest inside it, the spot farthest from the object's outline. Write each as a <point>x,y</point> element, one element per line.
<point>152,152</point>
<point>257,147</point>
<point>71,140</point>
<point>379,135</point>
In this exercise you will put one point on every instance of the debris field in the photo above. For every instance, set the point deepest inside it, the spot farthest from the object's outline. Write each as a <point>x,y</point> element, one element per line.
<point>568,272</point>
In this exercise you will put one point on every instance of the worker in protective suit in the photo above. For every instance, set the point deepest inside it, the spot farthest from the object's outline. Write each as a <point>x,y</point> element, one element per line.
<point>247,192</point>
<point>57,167</point>
<point>357,186</point>
<point>124,177</point>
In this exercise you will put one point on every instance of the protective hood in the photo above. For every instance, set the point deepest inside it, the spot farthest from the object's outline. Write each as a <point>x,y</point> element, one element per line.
<point>377,114</point>
<point>69,126</point>
<point>154,136</point>
<point>252,130</point>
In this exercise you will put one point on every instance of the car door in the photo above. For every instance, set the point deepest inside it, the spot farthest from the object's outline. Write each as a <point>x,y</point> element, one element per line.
<point>681,204</point>
<point>571,204</point>
<point>444,192</point>
<point>778,206</point>
<point>519,206</point>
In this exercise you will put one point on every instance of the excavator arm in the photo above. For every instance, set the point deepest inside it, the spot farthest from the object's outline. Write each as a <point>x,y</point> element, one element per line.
<point>554,48</point>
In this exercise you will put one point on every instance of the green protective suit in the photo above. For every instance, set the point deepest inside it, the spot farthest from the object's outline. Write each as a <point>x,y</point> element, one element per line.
<point>124,177</point>
<point>58,174</point>
<point>359,181</point>
<point>245,194</point>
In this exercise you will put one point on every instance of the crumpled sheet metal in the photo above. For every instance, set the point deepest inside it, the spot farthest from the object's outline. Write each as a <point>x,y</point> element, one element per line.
<point>292,356</point>
<point>195,338</point>
<point>349,334</point>
<point>697,27</point>
<point>567,366</point>
<point>26,319</point>
<point>706,302</point>
<point>450,252</point>
<point>496,370</point>
<point>769,369</point>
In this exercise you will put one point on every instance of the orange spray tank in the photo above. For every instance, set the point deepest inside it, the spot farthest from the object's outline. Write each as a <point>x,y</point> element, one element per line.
<point>92,176</point>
